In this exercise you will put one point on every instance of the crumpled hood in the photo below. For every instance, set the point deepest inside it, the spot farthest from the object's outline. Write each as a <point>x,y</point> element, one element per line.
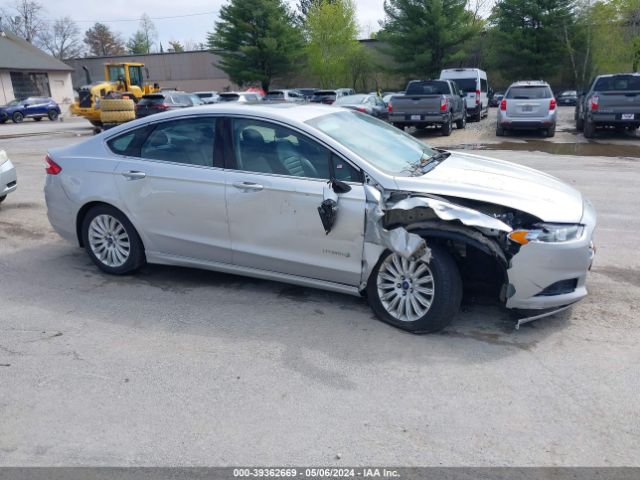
<point>504,183</point>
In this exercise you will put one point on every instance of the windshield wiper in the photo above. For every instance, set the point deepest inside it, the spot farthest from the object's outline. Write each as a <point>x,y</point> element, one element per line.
<point>429,163</point>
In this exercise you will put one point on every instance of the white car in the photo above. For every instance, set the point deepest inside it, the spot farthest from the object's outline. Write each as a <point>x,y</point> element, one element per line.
<point>475,86</point>
<point>323,197</point>
<point>8,178</point>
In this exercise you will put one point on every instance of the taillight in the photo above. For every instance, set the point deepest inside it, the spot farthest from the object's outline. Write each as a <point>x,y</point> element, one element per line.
<point>477,97</point>
<point>390,107</point>
<point>503,105</point>
<point>595,100</point>
<point>444,104</point>
<point>362,109</point>
<point>52,168</point>
<point>552,104</point>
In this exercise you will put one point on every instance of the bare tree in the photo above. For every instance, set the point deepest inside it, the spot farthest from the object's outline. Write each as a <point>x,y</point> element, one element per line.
<point>102,41</point>
<point>63,39</point>
<point>25,19</point>
<point>148,30</point>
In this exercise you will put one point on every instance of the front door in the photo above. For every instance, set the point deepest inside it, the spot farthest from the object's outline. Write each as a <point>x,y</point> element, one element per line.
<point>273,193</point>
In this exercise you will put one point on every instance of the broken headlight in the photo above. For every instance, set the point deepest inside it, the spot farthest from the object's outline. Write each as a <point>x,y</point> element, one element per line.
<point>547,233</point>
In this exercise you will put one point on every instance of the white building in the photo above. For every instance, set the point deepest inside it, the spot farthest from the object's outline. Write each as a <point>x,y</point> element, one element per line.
<point>26,71</point>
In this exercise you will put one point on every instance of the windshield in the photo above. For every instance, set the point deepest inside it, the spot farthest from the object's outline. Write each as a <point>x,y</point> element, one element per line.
<point>151,100</point>
<point>229,97</point>
<point>383,146</point>
<point>351,99</point>
<point>13,103</point>
<point>529,93</point>
<point>466,84</point>
<point>429,87</point>
<point>275,95</point>
<point>618,83</point>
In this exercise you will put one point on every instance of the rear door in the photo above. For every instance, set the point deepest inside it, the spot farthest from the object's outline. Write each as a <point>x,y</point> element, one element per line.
<point>528,101</point>
<point>274,189</point>
<point>173,186</point>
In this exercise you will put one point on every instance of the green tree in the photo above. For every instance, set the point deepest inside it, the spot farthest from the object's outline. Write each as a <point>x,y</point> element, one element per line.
<point>144,39</point>
<point>424,36</point>
<point>256,41</point>
<point>616,35</point>
<point>527,38</point>
<point>175,46</point>
<point>331,31</point>
<point>102,41</point>
<point>138,44</point>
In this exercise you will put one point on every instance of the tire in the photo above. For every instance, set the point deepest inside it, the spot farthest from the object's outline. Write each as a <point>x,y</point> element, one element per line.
<point>446,291</point>
<point>462,123</point>
<point>17,117</point>
<point>117,117</point>
<point>37,119</point>
<point>117,105</point>
<point>447,127</point>
<point>53,115</point>
<point>113,255</point>
<point>3,120</point>
<point>95,123</point>
<point>3,198</point>
<point>398,125</point>
<point>589,129</point>
<point>550,132</point>
<point>477,116</point>
<point>579,124</point>
<point>499,130</point>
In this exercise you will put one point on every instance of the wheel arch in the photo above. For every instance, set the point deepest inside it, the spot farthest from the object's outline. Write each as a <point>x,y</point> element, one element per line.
<point>82,213</point>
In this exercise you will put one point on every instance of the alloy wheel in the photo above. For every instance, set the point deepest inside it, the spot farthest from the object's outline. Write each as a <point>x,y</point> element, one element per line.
<point>109,240</point>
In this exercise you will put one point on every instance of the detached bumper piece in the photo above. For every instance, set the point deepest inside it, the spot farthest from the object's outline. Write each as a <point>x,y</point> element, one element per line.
<point>547,313</point>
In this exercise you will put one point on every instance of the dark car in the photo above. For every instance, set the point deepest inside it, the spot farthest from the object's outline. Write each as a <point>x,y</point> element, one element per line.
<point>368,103</point>
<point>495,99</point>
<point>570,97</point>
<point>307,92</point>
<point>32,107</point>
<point>161,102</point>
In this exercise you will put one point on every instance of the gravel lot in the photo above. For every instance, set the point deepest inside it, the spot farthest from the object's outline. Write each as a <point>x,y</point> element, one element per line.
<point>183,367</point>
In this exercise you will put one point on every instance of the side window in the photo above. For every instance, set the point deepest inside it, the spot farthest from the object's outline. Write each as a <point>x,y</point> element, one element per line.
<point>483,85</point>
<point>345,171</point>
<point>265,147</point>
<point>189,141</point>
<point>129,143</point>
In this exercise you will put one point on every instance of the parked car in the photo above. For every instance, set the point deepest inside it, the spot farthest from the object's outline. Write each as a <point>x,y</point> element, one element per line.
<point>474,84</point>
<point>283,96</point>
<point>196,100</point>
<point>610,101</point>
<point>8,178</point>
<point>527,105</point>
<point>368,103</point>
<point>429,102</point>
<point>495,99</point>
<point>240,97</point>
<point>329,199</point>
<point>568,97</point>
<point>307,92</point>
<point>208,97</point>
<point>328,97</point>
<point>161,102</point>
<point>32,107</point>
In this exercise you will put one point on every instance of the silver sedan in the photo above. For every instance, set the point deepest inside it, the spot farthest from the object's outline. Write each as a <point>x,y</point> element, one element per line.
<point>323,197</point>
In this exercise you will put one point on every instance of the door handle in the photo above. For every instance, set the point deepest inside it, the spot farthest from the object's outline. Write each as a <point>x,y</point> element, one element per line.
<point>248,186</point>
<point>133,175</point>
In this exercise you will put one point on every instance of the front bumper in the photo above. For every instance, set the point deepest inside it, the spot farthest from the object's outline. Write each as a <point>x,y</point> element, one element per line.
<point>8,178</point>
<point>539,265</point>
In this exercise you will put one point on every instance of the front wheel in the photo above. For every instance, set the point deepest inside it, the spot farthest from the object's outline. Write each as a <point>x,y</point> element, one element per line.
<point>17,117</point>
<point>415,295</point>
<point>111,241</point>
<point>53,115</point>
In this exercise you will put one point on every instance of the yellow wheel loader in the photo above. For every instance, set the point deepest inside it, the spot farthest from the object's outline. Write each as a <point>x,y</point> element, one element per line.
<point>122,80</point>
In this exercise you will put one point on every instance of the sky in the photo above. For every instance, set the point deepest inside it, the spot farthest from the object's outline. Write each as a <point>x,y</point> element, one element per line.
<point>183,28</point>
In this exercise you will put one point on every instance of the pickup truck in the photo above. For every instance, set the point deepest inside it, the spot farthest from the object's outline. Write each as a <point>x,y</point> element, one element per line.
<point>429,102</point>
<point>611,100</point>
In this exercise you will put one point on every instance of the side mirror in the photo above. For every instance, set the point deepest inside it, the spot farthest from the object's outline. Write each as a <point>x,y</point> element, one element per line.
<point>339,186</point>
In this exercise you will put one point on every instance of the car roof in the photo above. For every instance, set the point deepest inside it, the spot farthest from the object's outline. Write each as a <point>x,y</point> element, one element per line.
<point>529,83</point>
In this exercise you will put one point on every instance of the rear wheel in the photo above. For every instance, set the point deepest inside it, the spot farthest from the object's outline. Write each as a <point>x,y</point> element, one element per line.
<point>52,114</point>
<point>111,241</point>
<point>462,123</point>
<point>17,117</point>
<point>478,116</point>
<point>589,129</point>
<point>447,127</point>
<point>579,124</point>
<point>551,131</point>
<point>415,295</point>
<point>499,130</point>
<point>398,125</point>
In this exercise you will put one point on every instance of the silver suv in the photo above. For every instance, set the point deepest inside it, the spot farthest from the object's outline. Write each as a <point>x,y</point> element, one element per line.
<point>528,105</point>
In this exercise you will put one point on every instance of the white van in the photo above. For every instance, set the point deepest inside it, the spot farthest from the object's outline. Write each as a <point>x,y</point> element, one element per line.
<point>473,82</point>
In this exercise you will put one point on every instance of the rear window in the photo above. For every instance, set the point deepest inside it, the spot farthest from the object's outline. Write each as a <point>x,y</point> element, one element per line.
<point>466,84</point>
<point>529,93</point>
<point>325,93</point>
<point>151,100</point>
<point>229,97</point>
<point>275,95</point>
<point>204,95</point>
<point>431,87</point>
<point>618,83</point>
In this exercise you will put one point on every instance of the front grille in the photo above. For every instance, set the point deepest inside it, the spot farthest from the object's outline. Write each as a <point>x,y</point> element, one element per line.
<point>85,99</point>
<point>559,288</point>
